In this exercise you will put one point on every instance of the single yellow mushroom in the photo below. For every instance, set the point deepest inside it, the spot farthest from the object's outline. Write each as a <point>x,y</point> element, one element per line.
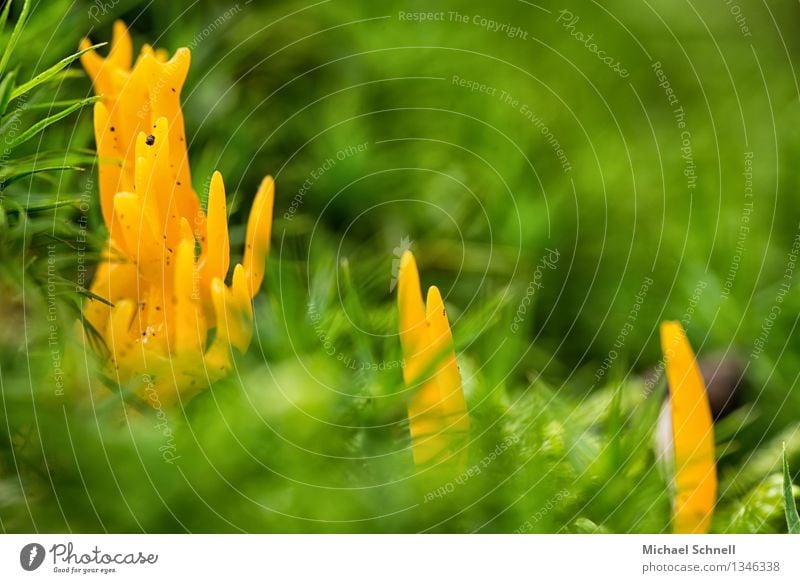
<point>437,409</point>
<point>166,262</point>
<point>695,476</point>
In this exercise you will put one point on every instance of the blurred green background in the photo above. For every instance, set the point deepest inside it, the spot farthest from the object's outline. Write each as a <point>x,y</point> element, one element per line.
<point>486,139</point>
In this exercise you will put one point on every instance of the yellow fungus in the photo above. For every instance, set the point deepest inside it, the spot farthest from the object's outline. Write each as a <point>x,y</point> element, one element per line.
<point>437,409</point>
<point>695,479</point>
<point>174,320</point>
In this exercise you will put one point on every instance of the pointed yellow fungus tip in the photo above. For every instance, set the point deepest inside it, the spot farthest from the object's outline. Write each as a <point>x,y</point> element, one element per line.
<point>437,410</point>
<point>408,282</point>
<point>120,31</point>
<point>408,264</point>
<point>434,300</point>
<point>695,479</point>
<point>412,310</point>
<point>259,232</point>
<point>186,230</point>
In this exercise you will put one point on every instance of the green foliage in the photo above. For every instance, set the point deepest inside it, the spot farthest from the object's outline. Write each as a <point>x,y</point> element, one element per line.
<point>789,504</point>
<point>25,210</point>
<point>761,510</point>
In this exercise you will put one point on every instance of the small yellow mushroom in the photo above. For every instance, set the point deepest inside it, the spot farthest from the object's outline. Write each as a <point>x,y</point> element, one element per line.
<point>437,410</point>
<point>166,261</point>
<point>695,477</point>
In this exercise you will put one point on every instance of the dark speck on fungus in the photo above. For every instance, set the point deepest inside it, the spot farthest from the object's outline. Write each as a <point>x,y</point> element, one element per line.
<point>150,140</point>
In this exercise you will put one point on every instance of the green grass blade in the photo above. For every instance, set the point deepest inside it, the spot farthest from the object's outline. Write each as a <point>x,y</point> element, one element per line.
<point>52,104</point>
<point>85,292</point>
<point>6,88</point>
<point>45,76</point>
<point>11,179</point>
<point>42,124</point>
<point>354,307</point>
<point>792,518</point>
<point>4,16</point>
<point>23,17</point>
<point>48,206</point>
<point>41,159</point>
<point>614,430</point>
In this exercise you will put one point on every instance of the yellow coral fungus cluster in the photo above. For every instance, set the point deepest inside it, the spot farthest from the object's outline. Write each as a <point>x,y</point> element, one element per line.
<point>437,410</point>
<point>173,319</point>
